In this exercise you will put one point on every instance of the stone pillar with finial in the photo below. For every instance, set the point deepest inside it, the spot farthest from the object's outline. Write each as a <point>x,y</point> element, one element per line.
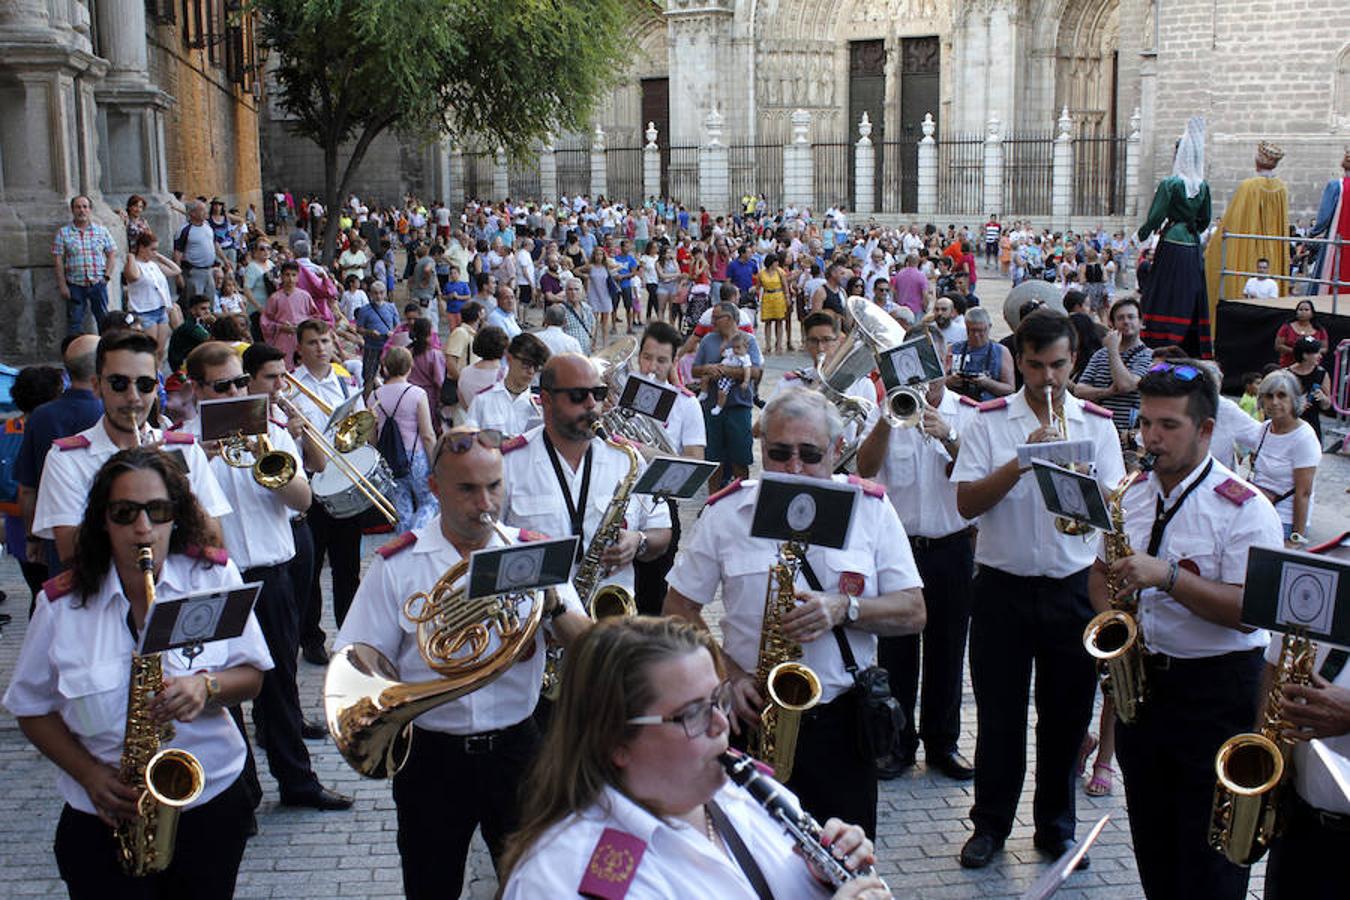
<point>714,173</point>
<point>1133,147</point>
<point>501,183</point>
<point>651,164</point>
<point>599,172</point>
<point>864,169</point>
<point>928,167</point>
<point>798,175</point>
<point>1061,187</point>
<point>993,166</point>
<point>548,171</point>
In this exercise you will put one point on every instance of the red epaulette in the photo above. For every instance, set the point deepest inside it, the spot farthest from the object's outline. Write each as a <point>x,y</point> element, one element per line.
<point>870,488</point>
<point>791,376</point>
<point>526,536</point>
<point>969,401</point>
<point>1089,406</point>
<point>72,442</point>
<point>1333,544</point>
<point>58,587</point>
<point>398,544</point>
<point>991,405</point>
<point>216,556</point>
<point>1235,491</point>
<point>725,492</point>
<point>485,390</point>
<point>514,443</point>
<point>613,863</point>
<point>179,437</point>
<point>688,393</point>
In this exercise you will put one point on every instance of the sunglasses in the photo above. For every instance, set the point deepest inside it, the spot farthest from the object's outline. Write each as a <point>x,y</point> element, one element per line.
<point>220,387</point>
<point>578,394</point>
<point>1185,373</point>
<point>697,716</point>
<point>458,442</point>
<point>145,384</point>
<point>807,453</point>
<point>125,512</point>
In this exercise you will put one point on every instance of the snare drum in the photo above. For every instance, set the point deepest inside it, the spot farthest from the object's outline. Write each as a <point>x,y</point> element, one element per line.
<point>339,495</point>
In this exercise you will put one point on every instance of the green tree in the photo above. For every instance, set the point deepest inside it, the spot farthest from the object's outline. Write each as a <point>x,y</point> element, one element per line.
<point>506,72</point>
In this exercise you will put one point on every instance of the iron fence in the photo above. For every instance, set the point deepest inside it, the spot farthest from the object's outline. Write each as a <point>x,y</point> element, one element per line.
<point>478,175</point>
<point>522,177</point>
<point>756,169</point>
<point>960,187</point>
<point>1028,174</point>
<point>574,171</point>
<point>898,173</point>
<point>679,178</point>
<point>1098,176</point>
<point>623,175</point>
<point>833,176</point>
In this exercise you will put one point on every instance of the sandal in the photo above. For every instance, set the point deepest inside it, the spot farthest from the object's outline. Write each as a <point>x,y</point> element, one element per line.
<point>1099,785</point>
<point>1089,744</point>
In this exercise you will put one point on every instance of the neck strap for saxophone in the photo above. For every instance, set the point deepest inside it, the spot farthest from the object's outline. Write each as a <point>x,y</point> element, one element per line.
<point>1160,518</point>
<point>576,509</point>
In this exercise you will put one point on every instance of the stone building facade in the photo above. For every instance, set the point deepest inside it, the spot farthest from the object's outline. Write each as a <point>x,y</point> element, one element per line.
<point>109,98</point>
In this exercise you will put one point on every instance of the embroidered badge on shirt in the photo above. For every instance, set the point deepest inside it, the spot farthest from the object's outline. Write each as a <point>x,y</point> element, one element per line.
<point>1235,491</point>
<point>58,587</point>
<point>514,443</point>
<point>614,862</point>
<point>852,583</point>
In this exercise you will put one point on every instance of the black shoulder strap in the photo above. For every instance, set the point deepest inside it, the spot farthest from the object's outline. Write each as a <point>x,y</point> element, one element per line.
<point>846,651</point>
<point>739,851</point>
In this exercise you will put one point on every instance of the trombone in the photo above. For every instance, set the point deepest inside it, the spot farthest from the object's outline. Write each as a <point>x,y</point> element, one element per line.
<point>353,431</point>
<point>331,453</point>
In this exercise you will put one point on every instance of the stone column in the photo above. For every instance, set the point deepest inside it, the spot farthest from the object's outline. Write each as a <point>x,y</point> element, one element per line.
<point>548,172</point>
<point>501,185</point>
<point>798,176</point>
<point>1061,189</point>
<point>699,38</point>
<point>993,166</point>
<point>928,168</point>
<point>864,169</point>
<point>599,172</point>
<point>1133,144</point>
<point>440,158</point>
<point>714,168</point>
<point>651,165</point>
<point>456,189</point>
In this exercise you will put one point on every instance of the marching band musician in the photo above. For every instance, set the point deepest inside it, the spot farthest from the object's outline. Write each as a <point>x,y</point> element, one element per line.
<point>467,755</point>
<point>821,340</point>
<point>338,540</point>
<point>1190,526</point>
<point>869,588</point>
<point>688,435</point>
<point>627,797</point>
<point>1030,596</point>
<point>124,379</point>
<point>258,535</point>
<point>561,478</point>
<point>914,465</point>
<point>509,405</point>
<point>70,684</point>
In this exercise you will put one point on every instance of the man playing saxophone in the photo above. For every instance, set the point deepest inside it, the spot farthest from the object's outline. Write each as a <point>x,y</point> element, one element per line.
<point>871,587</point>
<point>1189,525</point>
<point>468,755</point>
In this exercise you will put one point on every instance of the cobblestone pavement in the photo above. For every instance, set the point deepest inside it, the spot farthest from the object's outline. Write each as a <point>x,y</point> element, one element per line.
<point>922,816</point>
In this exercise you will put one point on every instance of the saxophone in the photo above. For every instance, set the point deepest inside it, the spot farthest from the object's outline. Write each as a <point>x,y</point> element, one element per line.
<point>1251,767</point>
<point>610,600</point>
<point>789,687</point>
<point>168,779</point>
<point>1112,637</point>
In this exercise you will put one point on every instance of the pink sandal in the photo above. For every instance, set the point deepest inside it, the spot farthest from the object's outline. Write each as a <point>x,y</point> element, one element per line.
<point>1099,785</point>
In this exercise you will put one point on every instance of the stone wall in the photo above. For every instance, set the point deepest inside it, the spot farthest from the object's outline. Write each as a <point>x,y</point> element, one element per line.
<point>391,168</point>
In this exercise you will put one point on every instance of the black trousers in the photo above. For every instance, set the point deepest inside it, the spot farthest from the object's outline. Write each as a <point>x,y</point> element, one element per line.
<point>445,791</point>
<point>301,570</point>
<point>1016,622</point>
<point>833,774</point>
<point>276,710</point>
<point>946,566</point>
<point>338,540</point>
<point>1303,861</point>
<point>208,849</point>
<point>649,578</point>
<point>1167,761</point>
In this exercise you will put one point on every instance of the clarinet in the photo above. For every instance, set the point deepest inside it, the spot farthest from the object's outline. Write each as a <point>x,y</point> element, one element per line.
<point>799,824</point>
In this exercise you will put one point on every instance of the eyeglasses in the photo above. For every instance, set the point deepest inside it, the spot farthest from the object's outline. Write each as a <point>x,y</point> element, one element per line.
<point>458,442</point>
<point>145,384</point>
<point>697,716</point>
<point>578,394</point>
<point>220,387</point>
<point>807,453</point>
<point>125,512</point>
<point>1185,373</point>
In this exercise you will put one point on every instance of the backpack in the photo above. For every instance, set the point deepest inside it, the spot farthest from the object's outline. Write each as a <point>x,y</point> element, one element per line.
<point>390,441</point>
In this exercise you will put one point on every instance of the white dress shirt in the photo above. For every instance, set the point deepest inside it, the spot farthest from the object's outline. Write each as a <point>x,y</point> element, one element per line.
<point>1234,432</point>
<point>914,472</point>
<point>1312,779</point>
<point>1210,533</point>
<point>534,498</point>
<point>498,408</point>
<point>334,389</point>
<point>76,661</point>
<point>678,860</point>
<point>376,618</point>
<point>685,426</point>
<point>69,474</point>
<point>257,531</point>
<point>558,341</point>
<point>1017,535</point>
<point>720,552</point>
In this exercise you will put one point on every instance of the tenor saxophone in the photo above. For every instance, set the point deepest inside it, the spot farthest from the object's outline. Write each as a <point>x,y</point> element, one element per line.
<point>1252,767</point>
<point>1112,637</point>
<point>788,687</point>
<point>168,779</point>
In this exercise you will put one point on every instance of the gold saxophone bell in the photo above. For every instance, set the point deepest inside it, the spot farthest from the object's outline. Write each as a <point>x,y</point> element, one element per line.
<point>1112,639</point>
<point>611,601</point>
<point>792,689</point>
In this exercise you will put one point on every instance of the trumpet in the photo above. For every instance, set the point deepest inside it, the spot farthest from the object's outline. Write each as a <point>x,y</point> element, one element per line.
<point>334,456</point>
<point>904,407</point>
<point>272,468</point>
<point>353,431</point>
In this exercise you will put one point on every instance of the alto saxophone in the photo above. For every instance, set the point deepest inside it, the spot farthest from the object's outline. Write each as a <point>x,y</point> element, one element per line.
<point>611,599</point>
<point>788,687</point>
<point>1112,637</point>
<point>168,779</point>
<point>1252,767</point>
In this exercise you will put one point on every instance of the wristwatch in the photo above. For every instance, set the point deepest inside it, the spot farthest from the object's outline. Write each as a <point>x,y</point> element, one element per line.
<point>853,609</point>
<point>1296,538</point>
<point>642,545</point>
<point>952,436</point>
<point>212,686</point>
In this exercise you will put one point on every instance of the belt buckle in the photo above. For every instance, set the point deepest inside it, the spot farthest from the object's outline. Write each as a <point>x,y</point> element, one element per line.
<point>475,744</point>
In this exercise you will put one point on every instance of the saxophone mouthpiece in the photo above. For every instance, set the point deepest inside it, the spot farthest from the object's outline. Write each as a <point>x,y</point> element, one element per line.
<point>145,557</point>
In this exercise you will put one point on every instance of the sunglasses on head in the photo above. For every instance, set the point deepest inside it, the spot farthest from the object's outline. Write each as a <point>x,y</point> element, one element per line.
<point>220,387</point>
<point>1185,373</point>
<point>125,512</point>
<point>578,394</point>
<point>807,453</point>
<point>458,442</point>
<point>145,384</point>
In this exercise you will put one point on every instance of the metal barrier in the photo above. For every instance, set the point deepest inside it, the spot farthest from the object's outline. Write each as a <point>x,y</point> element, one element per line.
<point>834,176</point>
<point>1028,174</point>
<point>478,175</point>
<point>522,177</point>
<point>574,171</point>
<point>756,169</point>
<point>1340,394</point>
<point>1098,176</point>
<point>961,174</point>
<point>623,175</point>
<point>680,178</point>
<point>899,176</point>
<point>1337,250</point>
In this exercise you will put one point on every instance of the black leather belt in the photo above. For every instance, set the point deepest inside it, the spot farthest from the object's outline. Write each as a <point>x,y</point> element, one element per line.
<point>1163,663</point>
<point>476,744</point>
<point>919,542</point>
<point>1338,822</point>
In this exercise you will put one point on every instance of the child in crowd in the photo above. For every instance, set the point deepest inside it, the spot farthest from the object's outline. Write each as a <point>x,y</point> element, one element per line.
<point>353,297</point>
<point>736,355</point>
<point>1250,382</point>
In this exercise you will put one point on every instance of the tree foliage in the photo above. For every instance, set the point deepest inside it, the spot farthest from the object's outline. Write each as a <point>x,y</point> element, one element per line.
<point>505,72</point>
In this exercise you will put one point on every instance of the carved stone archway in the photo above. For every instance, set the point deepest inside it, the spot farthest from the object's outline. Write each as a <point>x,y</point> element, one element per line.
<point>1086,64</point>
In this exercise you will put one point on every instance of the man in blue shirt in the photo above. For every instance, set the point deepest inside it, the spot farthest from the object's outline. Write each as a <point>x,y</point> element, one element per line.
<point>741,272</point>
<point>624,275</point>
<point>729,438</point>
